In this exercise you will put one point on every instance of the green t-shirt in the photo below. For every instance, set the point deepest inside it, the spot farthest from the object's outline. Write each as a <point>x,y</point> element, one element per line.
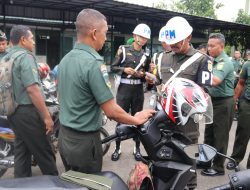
<point>224,70</point>
<point>245,74</point>
<point>25,73</point>
<point>83,86</point>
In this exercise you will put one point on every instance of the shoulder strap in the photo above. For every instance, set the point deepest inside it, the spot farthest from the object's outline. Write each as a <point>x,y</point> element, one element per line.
<point>184,65</point>
<point>159,59</point>
<point>17,54</point>
<point>13,55</point>
<point>154,58</point>
<point>123,54</point>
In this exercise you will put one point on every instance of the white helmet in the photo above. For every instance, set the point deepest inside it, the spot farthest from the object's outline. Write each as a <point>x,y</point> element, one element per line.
<point>142,30</point>
<point>162,37</point>
<point>177,29</point>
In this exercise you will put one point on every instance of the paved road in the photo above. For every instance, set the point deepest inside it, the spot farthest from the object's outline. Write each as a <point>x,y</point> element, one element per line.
<point>123,166</point>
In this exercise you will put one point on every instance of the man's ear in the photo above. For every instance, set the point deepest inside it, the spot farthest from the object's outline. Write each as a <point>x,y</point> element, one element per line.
<point>93,34</point>
<point>22,40</point>
<point>189,38</point>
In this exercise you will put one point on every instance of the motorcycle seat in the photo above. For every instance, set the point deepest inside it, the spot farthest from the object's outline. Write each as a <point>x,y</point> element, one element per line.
<point>55,183</point>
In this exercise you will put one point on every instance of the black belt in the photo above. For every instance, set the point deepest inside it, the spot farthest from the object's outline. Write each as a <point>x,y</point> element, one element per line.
<point>26,105</point>
<point>221,98</point>
<point>77,131</point>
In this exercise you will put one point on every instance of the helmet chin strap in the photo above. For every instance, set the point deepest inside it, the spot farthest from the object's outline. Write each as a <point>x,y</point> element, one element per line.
<point>182,44</point>
<point>138,41</point>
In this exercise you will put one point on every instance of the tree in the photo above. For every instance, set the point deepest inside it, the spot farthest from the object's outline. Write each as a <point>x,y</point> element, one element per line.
<point>204,8</point>
<point>240,38</point>
<point>161,5</point>
<point>243,17</point>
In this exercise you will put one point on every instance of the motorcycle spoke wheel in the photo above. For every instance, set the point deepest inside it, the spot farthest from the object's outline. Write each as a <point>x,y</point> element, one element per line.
<point>106,146</point>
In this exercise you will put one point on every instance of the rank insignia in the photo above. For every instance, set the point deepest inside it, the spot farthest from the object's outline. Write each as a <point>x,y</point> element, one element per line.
<point>209,65</point>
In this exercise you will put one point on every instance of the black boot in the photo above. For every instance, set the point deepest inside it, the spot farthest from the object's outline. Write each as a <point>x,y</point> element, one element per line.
<point>137,154</point>
<point>116,155</point>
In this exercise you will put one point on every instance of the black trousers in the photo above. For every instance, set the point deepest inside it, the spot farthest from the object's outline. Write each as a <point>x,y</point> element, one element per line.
<point>80,151</point>
<point>217,133</point>
<point>242,132</point>
<point>131,99</point>
<point>30,140</point>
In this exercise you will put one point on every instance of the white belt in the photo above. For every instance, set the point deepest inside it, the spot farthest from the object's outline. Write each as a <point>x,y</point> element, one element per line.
<point>130,81</point>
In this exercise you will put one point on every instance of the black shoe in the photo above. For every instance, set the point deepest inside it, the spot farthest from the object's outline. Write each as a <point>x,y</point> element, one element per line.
<point>212,172</point>
<point>231,165</point>
<point>116,155</point>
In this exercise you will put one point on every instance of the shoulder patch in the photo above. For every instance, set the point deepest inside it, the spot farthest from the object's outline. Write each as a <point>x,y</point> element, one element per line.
<point>105,75</point>
<point>220,66</point>
<point>240,71</point>
<point>209,65</point>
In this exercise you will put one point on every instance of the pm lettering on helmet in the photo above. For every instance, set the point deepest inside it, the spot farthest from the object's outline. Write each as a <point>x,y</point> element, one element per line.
<point>170,34</point>
<point>146,31</point>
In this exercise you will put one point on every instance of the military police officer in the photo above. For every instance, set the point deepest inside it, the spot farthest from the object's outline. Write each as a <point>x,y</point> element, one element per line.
<point>243,129</point>
<point>217,134</point>
<point>130,95</point>
<point>178,35</point>
<point>158,57</point>
<point>3,44</point>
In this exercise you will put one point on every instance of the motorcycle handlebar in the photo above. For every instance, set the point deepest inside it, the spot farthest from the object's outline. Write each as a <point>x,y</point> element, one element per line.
<point>222,187</point>
<point>109,138</point>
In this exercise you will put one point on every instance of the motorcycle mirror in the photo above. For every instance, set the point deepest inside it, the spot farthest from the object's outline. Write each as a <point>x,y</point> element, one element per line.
<point>200,152</point>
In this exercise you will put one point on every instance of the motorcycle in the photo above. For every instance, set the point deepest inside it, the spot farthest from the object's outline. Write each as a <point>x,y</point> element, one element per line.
<point>172,162</point>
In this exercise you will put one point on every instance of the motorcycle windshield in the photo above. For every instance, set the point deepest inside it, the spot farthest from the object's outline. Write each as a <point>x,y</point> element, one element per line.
<point>207,116</point>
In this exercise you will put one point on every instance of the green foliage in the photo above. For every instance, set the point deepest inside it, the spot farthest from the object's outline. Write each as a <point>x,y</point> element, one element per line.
<point>243,17</point>
<point>161,5</point>
<point>228,50</point>
<point>240,38</point>
<point>204,8</point>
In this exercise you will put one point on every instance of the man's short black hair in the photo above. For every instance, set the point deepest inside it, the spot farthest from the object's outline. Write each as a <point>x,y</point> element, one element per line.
<point>218,36</point>
<point>17,32</point>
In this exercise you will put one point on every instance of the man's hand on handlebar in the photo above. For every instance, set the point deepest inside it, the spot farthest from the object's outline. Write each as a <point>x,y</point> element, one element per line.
<point>144,115</point>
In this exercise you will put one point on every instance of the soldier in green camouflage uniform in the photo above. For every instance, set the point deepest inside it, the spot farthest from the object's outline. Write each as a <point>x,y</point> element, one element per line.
<point>243,130</point>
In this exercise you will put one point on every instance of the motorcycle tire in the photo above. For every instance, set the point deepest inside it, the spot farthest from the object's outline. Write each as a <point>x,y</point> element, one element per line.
<point>105,147</point>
